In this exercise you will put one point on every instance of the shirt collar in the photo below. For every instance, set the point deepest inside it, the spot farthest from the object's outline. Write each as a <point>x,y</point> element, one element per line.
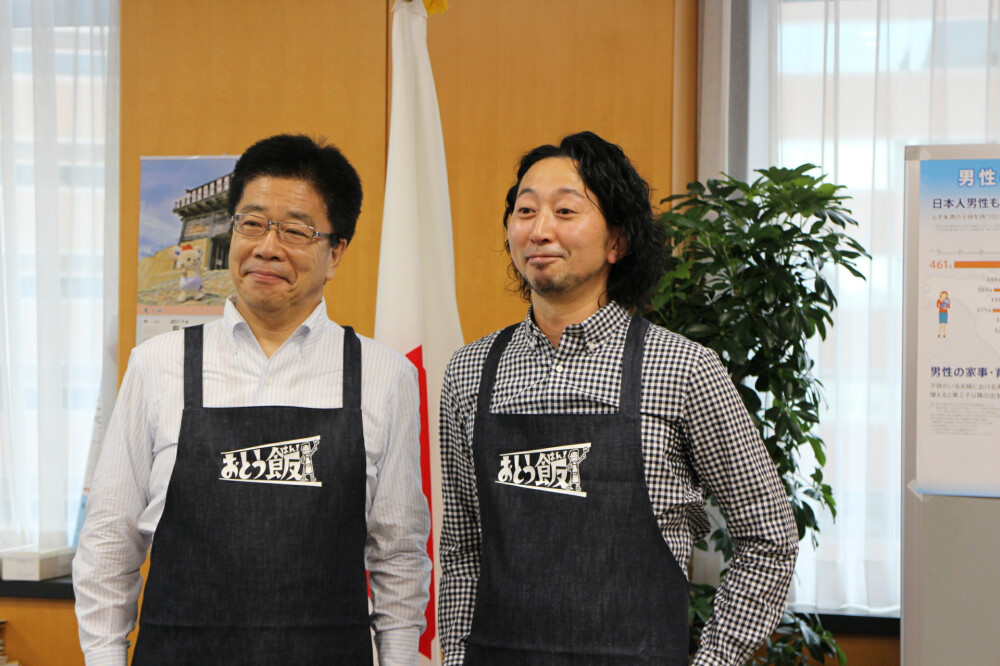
<point>307,332</point>
<point>595,329</point>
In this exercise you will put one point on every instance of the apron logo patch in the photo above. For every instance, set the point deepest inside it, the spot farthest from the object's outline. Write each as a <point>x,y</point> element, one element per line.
<point>554,470</point>
<point>288,463</point>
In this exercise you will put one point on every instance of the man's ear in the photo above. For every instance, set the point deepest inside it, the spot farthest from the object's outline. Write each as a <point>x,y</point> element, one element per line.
<point>619,245</point>
<point>336,254</point>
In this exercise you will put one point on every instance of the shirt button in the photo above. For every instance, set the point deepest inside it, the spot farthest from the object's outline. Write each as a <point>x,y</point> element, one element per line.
<point>557,367</point>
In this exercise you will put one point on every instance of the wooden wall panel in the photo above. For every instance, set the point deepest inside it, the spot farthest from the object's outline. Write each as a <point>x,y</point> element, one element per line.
<point>210,78</point>
<point>41,631</point>
<point>515,74</point>
<point>861,649</point>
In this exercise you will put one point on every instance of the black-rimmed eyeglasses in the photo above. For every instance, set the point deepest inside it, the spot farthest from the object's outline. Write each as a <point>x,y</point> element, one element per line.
<point>293,233</point>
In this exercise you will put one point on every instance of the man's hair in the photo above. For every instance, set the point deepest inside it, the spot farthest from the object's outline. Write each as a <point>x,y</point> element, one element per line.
<point>623,198</point>
<point>316,162</point>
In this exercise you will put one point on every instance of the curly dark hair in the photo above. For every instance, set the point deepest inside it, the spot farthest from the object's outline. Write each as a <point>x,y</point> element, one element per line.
<point>623,198</point>
<point>319,163</point>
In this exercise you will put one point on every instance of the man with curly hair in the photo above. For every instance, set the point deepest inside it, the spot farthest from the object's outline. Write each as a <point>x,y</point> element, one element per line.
<point>577,445</point>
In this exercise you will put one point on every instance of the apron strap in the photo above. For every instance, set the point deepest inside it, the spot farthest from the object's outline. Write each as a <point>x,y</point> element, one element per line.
<point>631,387</point>
<point>193,337</point>
<point>489,374</point>
<point>352,370</point>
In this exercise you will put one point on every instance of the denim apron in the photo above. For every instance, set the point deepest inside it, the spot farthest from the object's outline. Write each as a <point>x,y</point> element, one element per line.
<point>259,555</point>
<point>574,567</point>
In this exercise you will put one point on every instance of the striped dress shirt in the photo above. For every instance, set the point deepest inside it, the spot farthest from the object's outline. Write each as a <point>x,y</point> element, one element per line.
<point>130,482</point>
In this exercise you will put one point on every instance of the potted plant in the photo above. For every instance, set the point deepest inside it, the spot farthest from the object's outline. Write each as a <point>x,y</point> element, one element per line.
<point>747,277</point>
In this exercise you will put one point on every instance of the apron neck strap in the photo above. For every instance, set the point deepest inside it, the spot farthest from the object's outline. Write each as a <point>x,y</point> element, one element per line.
<point>489,374</point>
<point>631,385</point>
<point>352,369</point>
<point>193,344</point>
<point>193,337</point>
<point>631,388</point>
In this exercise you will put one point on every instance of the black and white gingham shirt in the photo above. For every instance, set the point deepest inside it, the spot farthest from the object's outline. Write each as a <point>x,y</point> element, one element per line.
<point>696,434</point>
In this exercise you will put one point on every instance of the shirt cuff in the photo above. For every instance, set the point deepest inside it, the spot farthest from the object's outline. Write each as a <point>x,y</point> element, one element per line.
<point>703,658</point>
<point>109,656</point>
<point>454,658</point>
<point>397,647</point>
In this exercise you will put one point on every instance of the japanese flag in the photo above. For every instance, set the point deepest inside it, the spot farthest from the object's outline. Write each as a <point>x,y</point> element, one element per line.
<point>416,312</point>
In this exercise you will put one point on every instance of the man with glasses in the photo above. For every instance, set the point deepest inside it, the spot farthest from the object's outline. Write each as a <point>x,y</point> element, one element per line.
<point>271,457</point>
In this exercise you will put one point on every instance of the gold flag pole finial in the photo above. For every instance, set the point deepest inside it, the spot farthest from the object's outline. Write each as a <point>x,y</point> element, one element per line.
<point>435,6</point>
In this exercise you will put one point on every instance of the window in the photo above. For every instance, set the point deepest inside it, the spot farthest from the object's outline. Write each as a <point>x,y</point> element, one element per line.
<point>847,84</point>
<point>58,257</point>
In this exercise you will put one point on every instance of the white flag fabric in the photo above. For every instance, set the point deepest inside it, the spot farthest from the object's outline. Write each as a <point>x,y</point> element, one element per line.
<point>416,312</point>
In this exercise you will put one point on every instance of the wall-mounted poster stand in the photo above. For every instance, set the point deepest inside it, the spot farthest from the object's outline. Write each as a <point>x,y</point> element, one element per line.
<point>951,405</point>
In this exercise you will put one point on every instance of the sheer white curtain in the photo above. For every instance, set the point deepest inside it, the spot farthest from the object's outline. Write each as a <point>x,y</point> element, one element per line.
<point>58,255</point>
<point>849,84</point>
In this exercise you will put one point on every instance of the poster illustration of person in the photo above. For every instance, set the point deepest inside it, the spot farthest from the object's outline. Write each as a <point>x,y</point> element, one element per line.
<point>943,303</point>
<point>184,237</point>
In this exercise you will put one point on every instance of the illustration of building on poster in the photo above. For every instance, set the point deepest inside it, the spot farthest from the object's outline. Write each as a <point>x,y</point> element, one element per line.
<point>184,237</point>
<point>958,341</point>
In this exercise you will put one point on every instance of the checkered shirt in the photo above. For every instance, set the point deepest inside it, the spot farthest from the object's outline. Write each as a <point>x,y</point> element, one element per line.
<point>696,436</point>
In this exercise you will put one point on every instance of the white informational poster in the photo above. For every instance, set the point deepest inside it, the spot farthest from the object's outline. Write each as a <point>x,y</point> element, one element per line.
<point>184,235</point>
<point>957,309</point>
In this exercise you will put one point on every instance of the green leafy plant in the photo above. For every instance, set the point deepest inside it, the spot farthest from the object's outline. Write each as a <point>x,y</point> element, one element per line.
<point>796,636</point>
<point>747,277</point>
